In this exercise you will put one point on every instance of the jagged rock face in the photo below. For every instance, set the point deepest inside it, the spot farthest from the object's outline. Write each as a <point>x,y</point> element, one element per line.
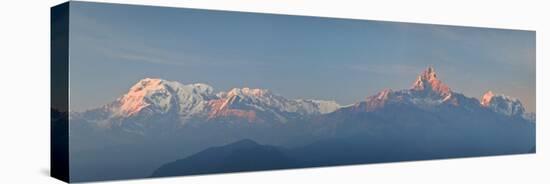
<point>157,96</point>
<point>154,98</point>
<point>427,92</point>
<point>223,108</point>
<point>166,118</point>
<point>503,104</point>
<point>261,105</point>
<point>135,99</point>
<point>379,100</point>
<point>428,82</point>
<point>486,99</point>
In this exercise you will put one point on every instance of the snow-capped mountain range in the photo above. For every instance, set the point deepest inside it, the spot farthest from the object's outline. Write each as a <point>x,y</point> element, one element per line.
<point>429,92</point>
<point>160,97</point>
<point>165,120</point>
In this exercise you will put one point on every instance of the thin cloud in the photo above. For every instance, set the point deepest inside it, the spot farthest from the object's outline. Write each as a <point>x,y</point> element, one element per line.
<point>147,59</point>
<point>390,69</point>
<point>108,42</point>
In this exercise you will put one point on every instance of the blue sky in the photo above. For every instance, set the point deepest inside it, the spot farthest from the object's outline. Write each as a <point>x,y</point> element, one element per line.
<point>114,46</point>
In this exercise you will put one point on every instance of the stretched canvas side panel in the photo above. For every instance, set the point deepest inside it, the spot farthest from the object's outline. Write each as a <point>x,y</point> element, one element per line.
<point>59,124</point>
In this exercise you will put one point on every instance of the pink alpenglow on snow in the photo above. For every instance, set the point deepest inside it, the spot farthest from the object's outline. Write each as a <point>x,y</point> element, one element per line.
<point>428,80</point>
<point>133,101</point>
<point>486,99</point>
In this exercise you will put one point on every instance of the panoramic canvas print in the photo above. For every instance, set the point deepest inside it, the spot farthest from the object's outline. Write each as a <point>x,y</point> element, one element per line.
<point>143,91</point>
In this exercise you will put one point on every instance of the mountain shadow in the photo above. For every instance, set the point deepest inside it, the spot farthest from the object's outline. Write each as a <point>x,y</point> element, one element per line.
<point>427,121</point>
<point>243,155</point>
<point>247,155</point>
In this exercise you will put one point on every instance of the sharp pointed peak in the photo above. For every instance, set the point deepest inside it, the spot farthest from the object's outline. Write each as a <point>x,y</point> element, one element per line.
<point>428,74</point>
<point>428,81</point>
<point>430,69</point>
<point>486,98</point>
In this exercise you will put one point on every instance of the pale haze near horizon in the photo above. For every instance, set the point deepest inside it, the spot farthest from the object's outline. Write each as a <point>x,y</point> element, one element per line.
<point>114,46</point>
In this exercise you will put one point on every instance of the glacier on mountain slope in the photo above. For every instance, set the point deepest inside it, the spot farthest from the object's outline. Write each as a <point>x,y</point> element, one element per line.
<point>157,96</point>
<point>262,99</point>
<point>428,92</point>
<point>503,104</point>
<point>164,121</point>
<point>322,106</point>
